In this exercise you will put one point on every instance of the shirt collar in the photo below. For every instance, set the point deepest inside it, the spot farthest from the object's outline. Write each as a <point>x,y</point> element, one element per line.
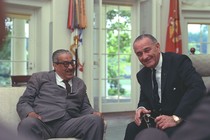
<point>59,80</point>
<point>159,65</point>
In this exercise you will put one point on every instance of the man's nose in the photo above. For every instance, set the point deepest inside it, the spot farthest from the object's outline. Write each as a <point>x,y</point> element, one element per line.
<point>144,56</point>
<point>70,66</point>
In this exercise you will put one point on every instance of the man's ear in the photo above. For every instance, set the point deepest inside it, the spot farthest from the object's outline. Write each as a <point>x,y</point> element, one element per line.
<point>54,66</point>
<point>158,45</point>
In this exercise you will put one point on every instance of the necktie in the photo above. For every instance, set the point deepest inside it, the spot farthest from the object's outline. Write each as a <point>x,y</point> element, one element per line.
<point>156,97</point>
<point>68,87</point>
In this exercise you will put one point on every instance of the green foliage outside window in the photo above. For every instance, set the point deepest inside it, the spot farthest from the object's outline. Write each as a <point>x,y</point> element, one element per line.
<point>198,38</point>
<point>118,49</point>
<point>5,57</point>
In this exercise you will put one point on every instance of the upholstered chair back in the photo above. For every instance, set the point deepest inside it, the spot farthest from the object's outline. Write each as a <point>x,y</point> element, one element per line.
<point>201,62</point>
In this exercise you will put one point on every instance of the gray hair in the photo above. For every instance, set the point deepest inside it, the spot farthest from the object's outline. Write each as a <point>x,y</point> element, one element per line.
<point>57,53</point>
<point>152,38</point>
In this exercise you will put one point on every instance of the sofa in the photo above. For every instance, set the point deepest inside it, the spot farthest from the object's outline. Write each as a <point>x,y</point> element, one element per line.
<point>201,62</point>
<point>8,115</point>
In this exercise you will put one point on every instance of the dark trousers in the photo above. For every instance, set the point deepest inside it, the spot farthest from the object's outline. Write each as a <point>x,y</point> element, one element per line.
<point>132,130</point>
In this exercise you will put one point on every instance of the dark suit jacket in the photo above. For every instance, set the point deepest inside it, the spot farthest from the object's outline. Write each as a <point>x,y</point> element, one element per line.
<point>181,86</point>
<point>47,99</point>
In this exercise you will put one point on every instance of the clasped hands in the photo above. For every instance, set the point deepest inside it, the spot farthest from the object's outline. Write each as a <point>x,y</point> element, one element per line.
<point>162,121</point>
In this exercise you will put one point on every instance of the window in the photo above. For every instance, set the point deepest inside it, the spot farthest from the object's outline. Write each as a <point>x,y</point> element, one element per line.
<point>113,48</point>
<point>14,54</point>
<point>117,52</point>
<point>198,38</point>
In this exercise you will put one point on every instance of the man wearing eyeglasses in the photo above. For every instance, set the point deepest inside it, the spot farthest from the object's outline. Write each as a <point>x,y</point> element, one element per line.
<point>55,104</point>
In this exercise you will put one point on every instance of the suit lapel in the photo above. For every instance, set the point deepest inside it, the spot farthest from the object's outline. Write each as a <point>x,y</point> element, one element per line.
<point>52,76</point>
<point>164,73</point>
<point>74,84</point>
<point>148,83</point>
<point>150,86</point>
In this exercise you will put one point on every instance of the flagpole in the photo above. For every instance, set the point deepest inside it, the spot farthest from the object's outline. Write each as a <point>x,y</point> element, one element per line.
<point>76,51</point>
<point>76,20</point>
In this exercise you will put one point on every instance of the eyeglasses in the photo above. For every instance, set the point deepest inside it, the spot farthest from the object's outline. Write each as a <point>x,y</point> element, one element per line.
<point>67,63</point>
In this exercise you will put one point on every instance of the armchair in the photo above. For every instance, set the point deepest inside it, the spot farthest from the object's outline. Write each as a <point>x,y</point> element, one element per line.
<point>8,99</point>
<point>201,62</point>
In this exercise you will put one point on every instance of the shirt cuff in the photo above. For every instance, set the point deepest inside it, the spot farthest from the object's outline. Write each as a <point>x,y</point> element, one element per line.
<point>141,107</point>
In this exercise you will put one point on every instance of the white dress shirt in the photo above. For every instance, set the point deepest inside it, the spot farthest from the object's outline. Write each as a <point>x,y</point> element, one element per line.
<point>60,82</point>
<point>158,75</point>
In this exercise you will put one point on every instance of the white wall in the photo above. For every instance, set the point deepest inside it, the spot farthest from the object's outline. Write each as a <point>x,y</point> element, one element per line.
<point>49,22</point>
<point>153,19</point>
<point>153,13</point>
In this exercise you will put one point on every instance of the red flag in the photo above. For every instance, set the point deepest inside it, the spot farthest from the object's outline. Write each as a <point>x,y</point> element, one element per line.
<point>70,22</point>
<point>173,37</point>
<point>76,15</point>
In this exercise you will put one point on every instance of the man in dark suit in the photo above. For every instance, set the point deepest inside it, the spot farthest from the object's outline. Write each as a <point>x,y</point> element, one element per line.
<point>196,126</point>
<point>55,104</point>
<point>170,88</point>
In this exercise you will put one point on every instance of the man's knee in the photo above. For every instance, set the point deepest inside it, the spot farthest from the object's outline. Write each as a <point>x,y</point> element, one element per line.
<point>32,128</point>
<point>132,130</point>
<point>97,120</point>
<point>132,126</point>
<point>27,123</point>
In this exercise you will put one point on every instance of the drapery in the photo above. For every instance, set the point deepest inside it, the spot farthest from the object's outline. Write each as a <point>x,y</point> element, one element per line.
<point>76,15</point>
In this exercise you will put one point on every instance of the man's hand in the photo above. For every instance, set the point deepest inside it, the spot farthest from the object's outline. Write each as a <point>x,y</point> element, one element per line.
<point>34,115</point>
<point>164,121</point>
<point>98,114</point>
<point>139,112</point>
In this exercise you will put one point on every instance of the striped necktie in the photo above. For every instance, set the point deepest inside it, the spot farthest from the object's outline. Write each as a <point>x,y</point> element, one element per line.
<point>68,87</point>
<point>156,98</point>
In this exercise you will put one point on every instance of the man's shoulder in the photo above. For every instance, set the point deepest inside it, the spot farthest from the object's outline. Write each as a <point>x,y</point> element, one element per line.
<point>77,79</point>
<point>143,71</point>
<point>174,55</point>
<point>170,56</point>
<point>43,74</point>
